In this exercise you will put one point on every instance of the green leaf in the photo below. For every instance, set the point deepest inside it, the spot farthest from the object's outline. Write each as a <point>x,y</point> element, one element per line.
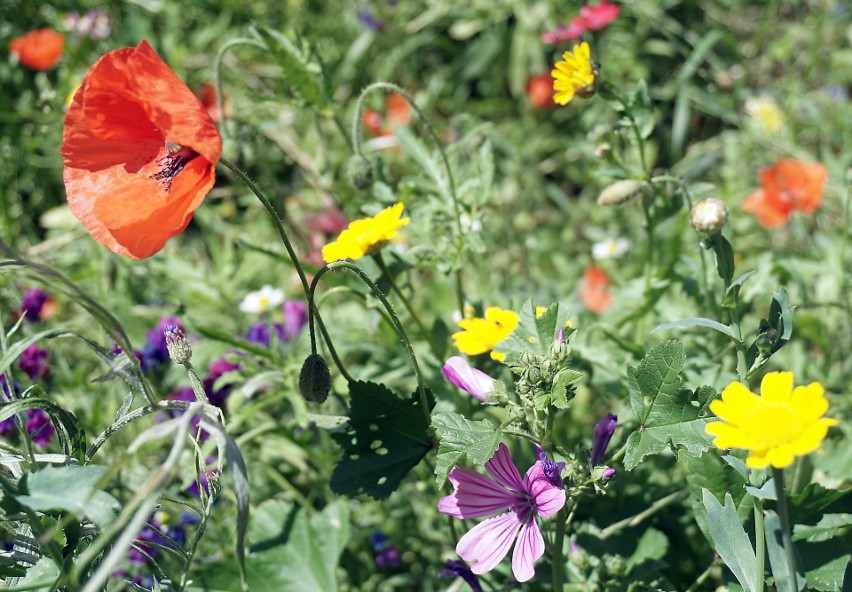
<point>826,565</point>
<point>458,436</point>
<point>724,256</point>
<point>652,545</point>
<point>304,81</point>
<point>73,489</point>
<point>667,414</point>
<point>778,556</point>
<point>535,334</point>
<point>698,322</point>
<point>814,499</point>
<point>564,379</point>
<point>70,433</point>
<point>386,438</point>
<point>730,539</point>
<point>829,526</point>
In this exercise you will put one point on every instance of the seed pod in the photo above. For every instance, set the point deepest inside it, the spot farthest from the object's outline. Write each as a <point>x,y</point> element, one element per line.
<point>620,192</point>
<point>315,379</point>
<point>708,216</point>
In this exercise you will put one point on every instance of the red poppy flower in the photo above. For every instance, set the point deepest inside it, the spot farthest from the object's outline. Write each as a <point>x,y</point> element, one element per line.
<point>594,289</point>
<point>397,114</point>
<point>139,150</point>
<point>540,91</point>
<point>786,186</point>
<point>40,49</point>
<point>210,99</point>
<point>596,17</point>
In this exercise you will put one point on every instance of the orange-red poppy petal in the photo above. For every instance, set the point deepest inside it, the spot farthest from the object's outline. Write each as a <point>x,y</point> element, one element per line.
<point>40,49</point>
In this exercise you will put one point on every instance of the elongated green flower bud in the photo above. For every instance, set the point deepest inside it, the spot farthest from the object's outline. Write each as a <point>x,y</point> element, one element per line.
<point>315,379</point>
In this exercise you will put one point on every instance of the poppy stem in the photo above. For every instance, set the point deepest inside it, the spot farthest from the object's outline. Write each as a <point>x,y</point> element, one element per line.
<point>217,74</point>
<point>276,220</point>
<point>358,136</point>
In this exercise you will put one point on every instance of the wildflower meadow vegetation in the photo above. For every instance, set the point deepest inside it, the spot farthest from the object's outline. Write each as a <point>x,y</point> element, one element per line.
<point>433,296</point>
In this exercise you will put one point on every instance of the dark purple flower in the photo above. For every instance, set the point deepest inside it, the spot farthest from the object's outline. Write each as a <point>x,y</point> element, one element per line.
<point>34,362</point>
<point>32,302</point>
<point>259,334</point>
<point>39,427</point>
<point>148,535</point>
<point>368,21</point>
<point>156,352</point>
<point>378,540</point>
<point>603,434</point>
<point>551,469</point>
<point>387,558</point>
<point>295,317</point>
<point>456,568</point>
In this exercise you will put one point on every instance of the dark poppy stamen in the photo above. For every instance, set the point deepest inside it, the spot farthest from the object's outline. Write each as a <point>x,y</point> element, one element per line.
<point>173,163</point>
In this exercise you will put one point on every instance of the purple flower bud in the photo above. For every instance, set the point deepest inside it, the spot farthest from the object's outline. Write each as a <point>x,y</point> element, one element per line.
<point>33,362</point>
<point>560,336</point>
<point>603,434</point>
<point>32,302</point>
<point>468,378</point>
<point>609,473</point>
<point>551,469</point>
<point>156,351</point>
<point>456,568</point>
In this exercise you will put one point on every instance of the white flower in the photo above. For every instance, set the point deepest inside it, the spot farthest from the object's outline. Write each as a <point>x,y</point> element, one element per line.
<point>610,248</point>
<point>263,300</point>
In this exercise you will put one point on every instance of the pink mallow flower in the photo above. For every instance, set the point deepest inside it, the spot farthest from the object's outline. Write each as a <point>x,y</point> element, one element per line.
<point>476,496</point>
<point>468,378</point>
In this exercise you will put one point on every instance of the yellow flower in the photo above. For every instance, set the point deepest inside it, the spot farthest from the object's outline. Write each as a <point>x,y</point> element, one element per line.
<point>776,426</point>
<point>481,335</point>
<point>574,75</point>
<point>366,236</point>
<point>765,113</point>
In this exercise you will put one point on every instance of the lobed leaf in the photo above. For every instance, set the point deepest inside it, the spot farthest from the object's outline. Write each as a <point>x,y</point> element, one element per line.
<point>459,437</point>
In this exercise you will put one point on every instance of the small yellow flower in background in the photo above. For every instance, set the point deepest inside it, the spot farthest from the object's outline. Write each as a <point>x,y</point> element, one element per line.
<point>540,310</point>
<point>366,236</point>
<point>481,335</point>
<point>574,75</point>
<point>765,113</point>
<point>776,426</point>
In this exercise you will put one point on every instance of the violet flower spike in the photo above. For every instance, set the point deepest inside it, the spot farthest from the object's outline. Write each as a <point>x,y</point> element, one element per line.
<point>468,378</point>
<point>477,496</point>
<point>603,434</point>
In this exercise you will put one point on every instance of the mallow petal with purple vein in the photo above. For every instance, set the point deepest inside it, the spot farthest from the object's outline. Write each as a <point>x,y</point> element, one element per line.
<point>468,378</point>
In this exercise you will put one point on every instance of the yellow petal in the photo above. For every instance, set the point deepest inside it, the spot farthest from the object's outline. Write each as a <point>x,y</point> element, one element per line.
<point>777,387</point>
<point>811,437</point>
<point>728,436</point>
<point>757,459</point>
<point>780,457</point>
<point>809,401</point>
<point>736,405</point>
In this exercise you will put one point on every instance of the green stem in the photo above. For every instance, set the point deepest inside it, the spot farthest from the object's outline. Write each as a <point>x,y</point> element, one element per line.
<point>638,518</point>
<point>760,544</point>
<point>633,125</point>
<point>702,578</point>
<point>400,330</point>
<point>386,272</point>
<point>558,551</point>
<point>784,517</point>
<point>217,74</point>
<point>314,314</point>
<point>358,136</point>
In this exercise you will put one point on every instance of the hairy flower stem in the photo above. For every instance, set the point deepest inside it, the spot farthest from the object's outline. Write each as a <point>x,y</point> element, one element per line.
<point>784,517</point>
<point>423,331</point>
<point>397,325</point>
<point>358,136</point>
<point>760,547</point>
<point>217,74</point>
<point>312,311</point>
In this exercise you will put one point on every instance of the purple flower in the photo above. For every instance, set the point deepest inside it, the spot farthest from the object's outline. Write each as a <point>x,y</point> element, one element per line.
<point>39,428</point>
<point>468,378</point>
<point>477,496</point>
<point>32,302</point>
<point>259,334</point>
<point>7,426</point>
<point>454,567</point>
<point>203,478</point>
<point>218,397</point>
<point>148,535</point>
<point>34,362</point>
<point>368,21</point>
<point>378,540</point>
<point>156,352</point>
<point>603,434</point>
<point>295,317</point>
<point>609,473</point>
<point>387,558</point>
<point>551,468</point>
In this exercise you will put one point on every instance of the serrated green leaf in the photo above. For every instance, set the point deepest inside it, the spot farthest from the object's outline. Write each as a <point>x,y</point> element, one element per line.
<point>564,379</point>
<point>303,81</point>
<point>667,414</point>
<point>72,489</point>
<point>826,565</point>
<point>535,333</point>
<point>829,526</point>
<point>458,436</point>
<point>386,438</point>
<point>730,539</point>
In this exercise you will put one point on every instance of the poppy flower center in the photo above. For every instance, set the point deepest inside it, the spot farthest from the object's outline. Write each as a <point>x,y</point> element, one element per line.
<point>173,163</point>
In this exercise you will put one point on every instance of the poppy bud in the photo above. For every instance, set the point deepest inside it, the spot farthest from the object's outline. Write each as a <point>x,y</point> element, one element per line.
<point>359,172</point>
<point>176,342</point>
<point>709,216</point>
<point>315,379</point>
<point>620,192</point>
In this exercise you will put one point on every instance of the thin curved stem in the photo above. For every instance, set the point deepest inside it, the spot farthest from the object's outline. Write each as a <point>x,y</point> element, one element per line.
<point>400,330</point>
<point>217,74</point>
<point>357,139</point>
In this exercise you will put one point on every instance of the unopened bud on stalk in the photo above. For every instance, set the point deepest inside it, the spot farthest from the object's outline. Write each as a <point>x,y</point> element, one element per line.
<point>315,379</point>
<point>359,172</point>
<point>176,342</point>
<point>709,216</point>
<point>620,192</point>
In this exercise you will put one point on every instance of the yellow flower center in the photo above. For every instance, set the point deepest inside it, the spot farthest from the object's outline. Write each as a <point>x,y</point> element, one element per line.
<point>773,424</point>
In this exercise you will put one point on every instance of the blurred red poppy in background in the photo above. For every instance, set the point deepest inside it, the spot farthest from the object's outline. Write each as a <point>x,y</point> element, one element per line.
<point>594,289</point>
<point>597,16</point>
<point>40,49</point>
<point>139,150</point>
<point>397,114</point>
<point>540,91</point>
<point>786,186</point>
